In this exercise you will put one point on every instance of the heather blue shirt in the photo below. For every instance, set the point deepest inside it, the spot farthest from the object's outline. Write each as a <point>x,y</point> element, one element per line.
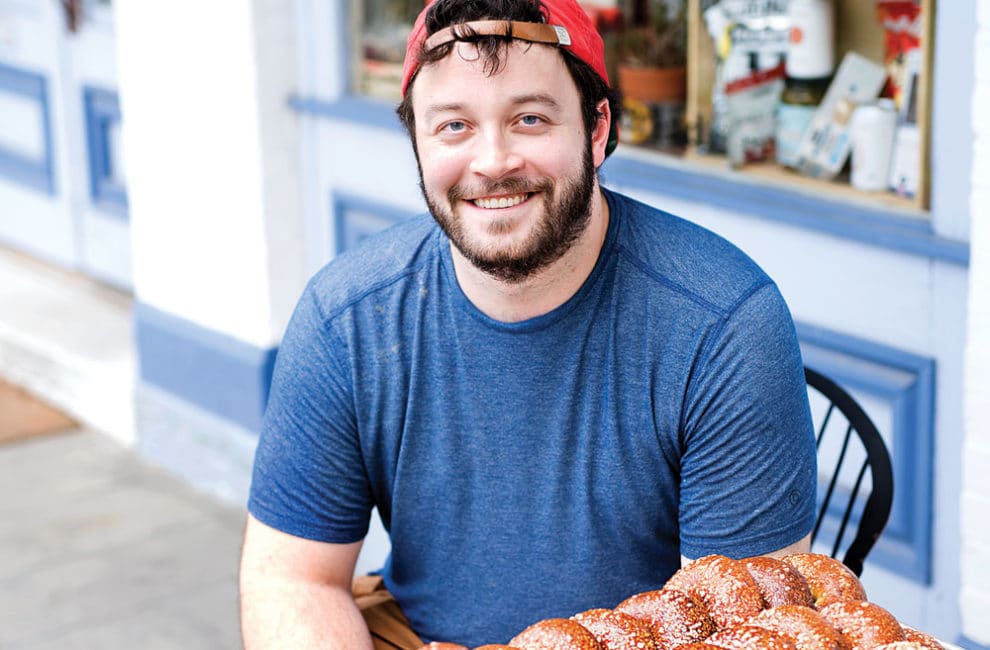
<point>540,468</point>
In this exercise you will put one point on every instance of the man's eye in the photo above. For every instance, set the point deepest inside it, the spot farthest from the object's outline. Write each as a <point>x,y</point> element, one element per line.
<point>530,120</point>
<point>454,127</point>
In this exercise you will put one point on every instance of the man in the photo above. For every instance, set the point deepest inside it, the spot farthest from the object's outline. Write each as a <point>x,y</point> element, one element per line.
<point>553,394</point>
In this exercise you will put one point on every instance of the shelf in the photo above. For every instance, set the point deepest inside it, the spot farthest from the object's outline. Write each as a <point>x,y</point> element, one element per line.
<point>856,30</point>
<point>775,175</point>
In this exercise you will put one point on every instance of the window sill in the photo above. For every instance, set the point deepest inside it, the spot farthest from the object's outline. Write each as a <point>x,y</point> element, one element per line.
<point>881,223</point>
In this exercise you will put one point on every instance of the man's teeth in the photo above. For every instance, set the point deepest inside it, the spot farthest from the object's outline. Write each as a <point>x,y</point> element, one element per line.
<point>501,202</point>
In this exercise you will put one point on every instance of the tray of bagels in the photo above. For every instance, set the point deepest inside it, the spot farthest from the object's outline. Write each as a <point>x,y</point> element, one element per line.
<point>805,601</point>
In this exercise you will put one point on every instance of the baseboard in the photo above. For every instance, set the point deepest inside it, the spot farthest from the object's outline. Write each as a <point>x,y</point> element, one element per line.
<point>210,452</point>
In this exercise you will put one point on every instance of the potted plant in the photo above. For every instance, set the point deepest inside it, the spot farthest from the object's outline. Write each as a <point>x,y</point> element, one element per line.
<point>650,52</point>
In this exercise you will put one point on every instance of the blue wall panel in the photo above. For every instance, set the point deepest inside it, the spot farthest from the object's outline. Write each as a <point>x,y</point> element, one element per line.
<point>905,382</point>
<point>102,113</point>
<point>355,217</point>
<point>218,373</point>
<point>36,173</point>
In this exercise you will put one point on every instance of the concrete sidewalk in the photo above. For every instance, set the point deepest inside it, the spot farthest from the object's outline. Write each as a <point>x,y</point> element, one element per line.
<point>100,550</point>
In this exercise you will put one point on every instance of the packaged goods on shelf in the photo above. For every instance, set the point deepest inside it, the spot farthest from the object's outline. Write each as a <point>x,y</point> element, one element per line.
<point>751,108</point>
<point>749,36</point>
<point>904,176</point>
<point>901,20</point>
<point>810,64</point>
<point>825,146</point>
<point>872,133</point>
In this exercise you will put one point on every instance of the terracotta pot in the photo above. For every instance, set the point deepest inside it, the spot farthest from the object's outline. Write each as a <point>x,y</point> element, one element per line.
<point>653,85</point>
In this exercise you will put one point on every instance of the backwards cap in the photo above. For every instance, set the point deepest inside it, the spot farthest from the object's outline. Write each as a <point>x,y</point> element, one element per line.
<point>568,26</point>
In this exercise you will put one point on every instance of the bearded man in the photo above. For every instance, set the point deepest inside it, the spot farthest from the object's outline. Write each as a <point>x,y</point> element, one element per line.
<point>553,394</point>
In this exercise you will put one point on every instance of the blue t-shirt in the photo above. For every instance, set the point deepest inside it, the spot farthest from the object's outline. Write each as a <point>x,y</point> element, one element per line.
<point>537,469</point>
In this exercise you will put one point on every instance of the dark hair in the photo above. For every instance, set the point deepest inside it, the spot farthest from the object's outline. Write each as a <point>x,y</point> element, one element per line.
<point>591,88</point>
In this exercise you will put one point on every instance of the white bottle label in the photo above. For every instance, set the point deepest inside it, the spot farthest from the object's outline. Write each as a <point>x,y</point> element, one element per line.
<point>811,52</point>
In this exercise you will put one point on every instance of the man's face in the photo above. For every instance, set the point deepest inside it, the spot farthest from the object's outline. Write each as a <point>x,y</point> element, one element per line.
<point>505,164</point>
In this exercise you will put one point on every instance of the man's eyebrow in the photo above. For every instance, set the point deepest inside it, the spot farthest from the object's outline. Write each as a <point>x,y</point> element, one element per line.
<point>537,98</point>
<point>546,99</point>
<point>435,109</point>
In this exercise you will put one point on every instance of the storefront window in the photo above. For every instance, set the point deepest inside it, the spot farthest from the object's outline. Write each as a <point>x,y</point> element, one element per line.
<point>830,95</point>
<point>381,41</point>
<point>646,53</point>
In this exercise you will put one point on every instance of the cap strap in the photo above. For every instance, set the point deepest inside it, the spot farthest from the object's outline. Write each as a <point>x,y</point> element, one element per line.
<point>534,32</point>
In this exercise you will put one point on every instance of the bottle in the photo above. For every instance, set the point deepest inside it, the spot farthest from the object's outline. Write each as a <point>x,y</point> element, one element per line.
<point>811,46</point>
<point>798,104</point>
<point>872,130</point>
<point>809,66</point>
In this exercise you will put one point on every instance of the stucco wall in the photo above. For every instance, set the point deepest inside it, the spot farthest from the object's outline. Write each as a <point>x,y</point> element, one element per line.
<point>211,148</point>
<point>975,552</point>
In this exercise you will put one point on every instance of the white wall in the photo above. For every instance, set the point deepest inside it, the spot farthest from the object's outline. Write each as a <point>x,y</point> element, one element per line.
<point>975,552</point>
<point>210,145</point>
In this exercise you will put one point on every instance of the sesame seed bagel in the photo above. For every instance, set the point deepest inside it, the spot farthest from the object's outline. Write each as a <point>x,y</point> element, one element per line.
<point>617,630</point>
<point>723,586</point>
<point>674,616</point>
<point>921,638</point>
<point>779,582</point>
<point>750,637</point>
<point>555,634</point>
<point>866,625</point>
<point>830,580</point>
<point>806,626</point>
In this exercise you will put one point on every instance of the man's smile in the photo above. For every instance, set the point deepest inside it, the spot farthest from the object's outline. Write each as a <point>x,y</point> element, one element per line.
<point>495,202</point>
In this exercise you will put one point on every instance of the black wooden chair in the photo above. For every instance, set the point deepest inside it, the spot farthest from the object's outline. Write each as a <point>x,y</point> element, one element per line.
<point>849,445</point>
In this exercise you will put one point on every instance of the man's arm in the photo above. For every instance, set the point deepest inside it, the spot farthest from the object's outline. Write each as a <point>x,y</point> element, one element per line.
<point>800,546</point>
<point>296,593</point>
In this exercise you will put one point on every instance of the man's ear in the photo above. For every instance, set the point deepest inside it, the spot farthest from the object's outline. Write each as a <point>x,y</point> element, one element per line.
<point>600,134</point>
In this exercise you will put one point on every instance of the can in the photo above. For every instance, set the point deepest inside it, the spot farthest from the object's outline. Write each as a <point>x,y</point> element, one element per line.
<point>871,131</point>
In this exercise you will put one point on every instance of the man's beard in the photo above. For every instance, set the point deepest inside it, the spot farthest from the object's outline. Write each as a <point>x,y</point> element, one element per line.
<point>566,216</point>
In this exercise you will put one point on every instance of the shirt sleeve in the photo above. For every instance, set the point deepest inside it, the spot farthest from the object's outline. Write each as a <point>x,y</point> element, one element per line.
<point>308,478</point>
<point>748,467</point>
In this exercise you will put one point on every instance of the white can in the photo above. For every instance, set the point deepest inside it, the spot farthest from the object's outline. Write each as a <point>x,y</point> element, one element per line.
<point>871,132</point>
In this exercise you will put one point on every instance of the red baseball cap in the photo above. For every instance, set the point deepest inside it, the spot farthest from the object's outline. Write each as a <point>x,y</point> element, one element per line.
<point>567,25</point>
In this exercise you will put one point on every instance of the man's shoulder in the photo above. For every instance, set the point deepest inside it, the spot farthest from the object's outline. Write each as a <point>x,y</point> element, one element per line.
<point>685,255</point>
<point>377,262</point>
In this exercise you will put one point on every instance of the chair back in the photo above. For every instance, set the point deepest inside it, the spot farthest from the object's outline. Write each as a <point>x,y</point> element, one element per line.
<point>849,447</point>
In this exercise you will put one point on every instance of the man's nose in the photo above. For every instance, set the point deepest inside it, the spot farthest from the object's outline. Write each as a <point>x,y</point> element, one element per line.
<point>495,157</point>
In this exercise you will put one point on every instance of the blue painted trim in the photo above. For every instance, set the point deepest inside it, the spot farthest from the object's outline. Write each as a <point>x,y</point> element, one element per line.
<point>350,217</point>
<point>858,222</point>
<point>906,382</point>
<point>969,644</point>
<point>211,370</point>
<point>102,112</point>
<point>350,108</point>
<point>38,174</point>
<point>816,212</point>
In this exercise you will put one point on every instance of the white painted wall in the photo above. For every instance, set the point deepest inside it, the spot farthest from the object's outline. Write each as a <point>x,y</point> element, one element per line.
<point>212,161</point>
<point>41,224</point>
<point>974,597</point>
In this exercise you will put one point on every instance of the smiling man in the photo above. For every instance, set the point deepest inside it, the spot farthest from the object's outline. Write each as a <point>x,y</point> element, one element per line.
<point>553,394</point>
